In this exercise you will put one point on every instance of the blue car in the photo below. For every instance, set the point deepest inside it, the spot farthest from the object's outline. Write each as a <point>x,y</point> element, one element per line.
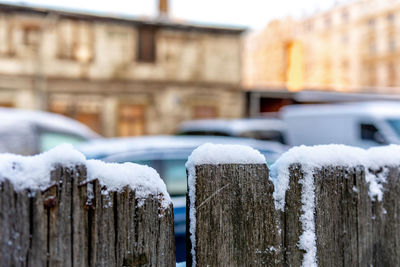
<point>168,155</point>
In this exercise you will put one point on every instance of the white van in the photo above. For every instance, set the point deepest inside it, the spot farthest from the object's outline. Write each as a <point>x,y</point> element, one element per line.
<point>267,129</point>
<point>362,124</point>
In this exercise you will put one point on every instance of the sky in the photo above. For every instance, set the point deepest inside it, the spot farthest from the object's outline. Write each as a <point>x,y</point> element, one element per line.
<point>254,14</point>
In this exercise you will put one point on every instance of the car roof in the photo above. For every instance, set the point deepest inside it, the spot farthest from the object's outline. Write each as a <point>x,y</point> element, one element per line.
<point>233,126</point>
<point>11,117</point>
<point>375,109</point>
<point>104,147</point>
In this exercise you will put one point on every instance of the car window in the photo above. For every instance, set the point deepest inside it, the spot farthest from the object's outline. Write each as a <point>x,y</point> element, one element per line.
<point>172,171</point>
<point>204,132</point>
<point>264,135</point>
<point>49,140</point>
<point>395,124</point>
<point>369,132</point>
<point>174,174</point>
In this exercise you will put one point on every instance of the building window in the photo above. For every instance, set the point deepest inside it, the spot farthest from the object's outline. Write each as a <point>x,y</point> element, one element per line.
<point>131,120</point>
<point>309,26</point>
<point>345,15</point>
<point>391,69</point>
<point>31,35</point>
<point>76,41</point>
<point>392,44</point>
<point>390,18</point>
<point>82,113</point>
<point>345,38</point>
<point>146,47</point>
<point>372,47</point>
<point>5,104</point>
<point>371,22</point>
<point>328,21</point>
<point>6,37</point>
<point>204,112</point>
<point>372,80</point>
<point>91,119</point>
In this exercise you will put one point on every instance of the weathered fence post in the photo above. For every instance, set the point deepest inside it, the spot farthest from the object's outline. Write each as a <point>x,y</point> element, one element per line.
<point>386,219</point>
<point>232,218</point>
<point>339,206</point>
<point>79,216</point>
<point>342,217</point>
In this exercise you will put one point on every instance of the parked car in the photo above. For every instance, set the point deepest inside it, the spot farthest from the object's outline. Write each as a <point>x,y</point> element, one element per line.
<point>269,129</point>
<point>29,132</point>
<point>362,124</point>
<point>168,155</point>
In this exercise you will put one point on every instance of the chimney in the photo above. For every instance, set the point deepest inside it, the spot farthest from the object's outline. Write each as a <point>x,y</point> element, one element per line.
<point>163,8</point>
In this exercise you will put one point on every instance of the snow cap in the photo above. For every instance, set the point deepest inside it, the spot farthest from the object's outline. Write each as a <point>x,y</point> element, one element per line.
<point>33,172</point>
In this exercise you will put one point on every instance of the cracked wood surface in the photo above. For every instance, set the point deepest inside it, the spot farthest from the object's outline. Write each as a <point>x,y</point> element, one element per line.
<point>342,217</point>
<point>351,229</point>
<point>235,217</point>
<point>62,226</point>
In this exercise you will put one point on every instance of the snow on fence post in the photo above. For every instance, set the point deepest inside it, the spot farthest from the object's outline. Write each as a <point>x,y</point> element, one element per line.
<point>232,219</point>
<point>58,209</point>
<point>340,230</point>
<point>386,214</point>
<point>339,205</point>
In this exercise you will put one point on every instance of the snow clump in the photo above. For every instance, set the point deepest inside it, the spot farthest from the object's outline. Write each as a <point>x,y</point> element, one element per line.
<point>33,172</point>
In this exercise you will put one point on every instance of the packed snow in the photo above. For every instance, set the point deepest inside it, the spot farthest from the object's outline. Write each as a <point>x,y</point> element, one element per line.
<point>316,157</point>
<point>214,154</point>
<point>33,172</point>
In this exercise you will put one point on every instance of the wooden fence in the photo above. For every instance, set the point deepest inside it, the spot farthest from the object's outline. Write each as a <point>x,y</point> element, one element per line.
<point>330,217</point>
<point>236,223</point>
<point>73,223</point>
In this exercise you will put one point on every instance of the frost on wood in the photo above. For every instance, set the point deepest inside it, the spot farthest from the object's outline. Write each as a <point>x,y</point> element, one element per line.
<point>311,161</point>
<point>33,172</point>
<point>214,154</point>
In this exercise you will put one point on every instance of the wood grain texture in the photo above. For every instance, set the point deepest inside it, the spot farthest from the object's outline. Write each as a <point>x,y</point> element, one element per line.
<point>386,220</point>
<point>78,223</point>
<point>343,217</point>
<point>235,216</point>
<point>290,219</point>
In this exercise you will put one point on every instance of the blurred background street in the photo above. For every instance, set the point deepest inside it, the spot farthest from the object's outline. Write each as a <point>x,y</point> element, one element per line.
<point>149,81</point>
<point>145,72</point>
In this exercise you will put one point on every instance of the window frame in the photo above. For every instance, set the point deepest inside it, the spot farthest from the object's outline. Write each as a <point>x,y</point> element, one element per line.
<point>151,55</point>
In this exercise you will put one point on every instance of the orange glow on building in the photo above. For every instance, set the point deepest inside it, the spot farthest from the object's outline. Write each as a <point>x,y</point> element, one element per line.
<point>352,47</point>
<point>295,66</point>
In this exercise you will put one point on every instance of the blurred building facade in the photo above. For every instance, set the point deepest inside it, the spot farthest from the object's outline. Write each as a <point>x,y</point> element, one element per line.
<point>351,48</point>
<point>121,76</point>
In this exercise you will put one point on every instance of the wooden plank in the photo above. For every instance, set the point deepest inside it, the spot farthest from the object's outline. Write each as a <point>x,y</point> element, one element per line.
<point>38,244</point>
<point>60,219</point>
<point>125,245</point>
<point>6,212</point>
<point>79,217</point>
<point>342,217</point>
<point>386,223</point>
<point>155,243</point>
<point>291,225</point>
<point>166,247</point>
<point>235,216</point>
<point>16,233</point>
<point>103,246</point>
